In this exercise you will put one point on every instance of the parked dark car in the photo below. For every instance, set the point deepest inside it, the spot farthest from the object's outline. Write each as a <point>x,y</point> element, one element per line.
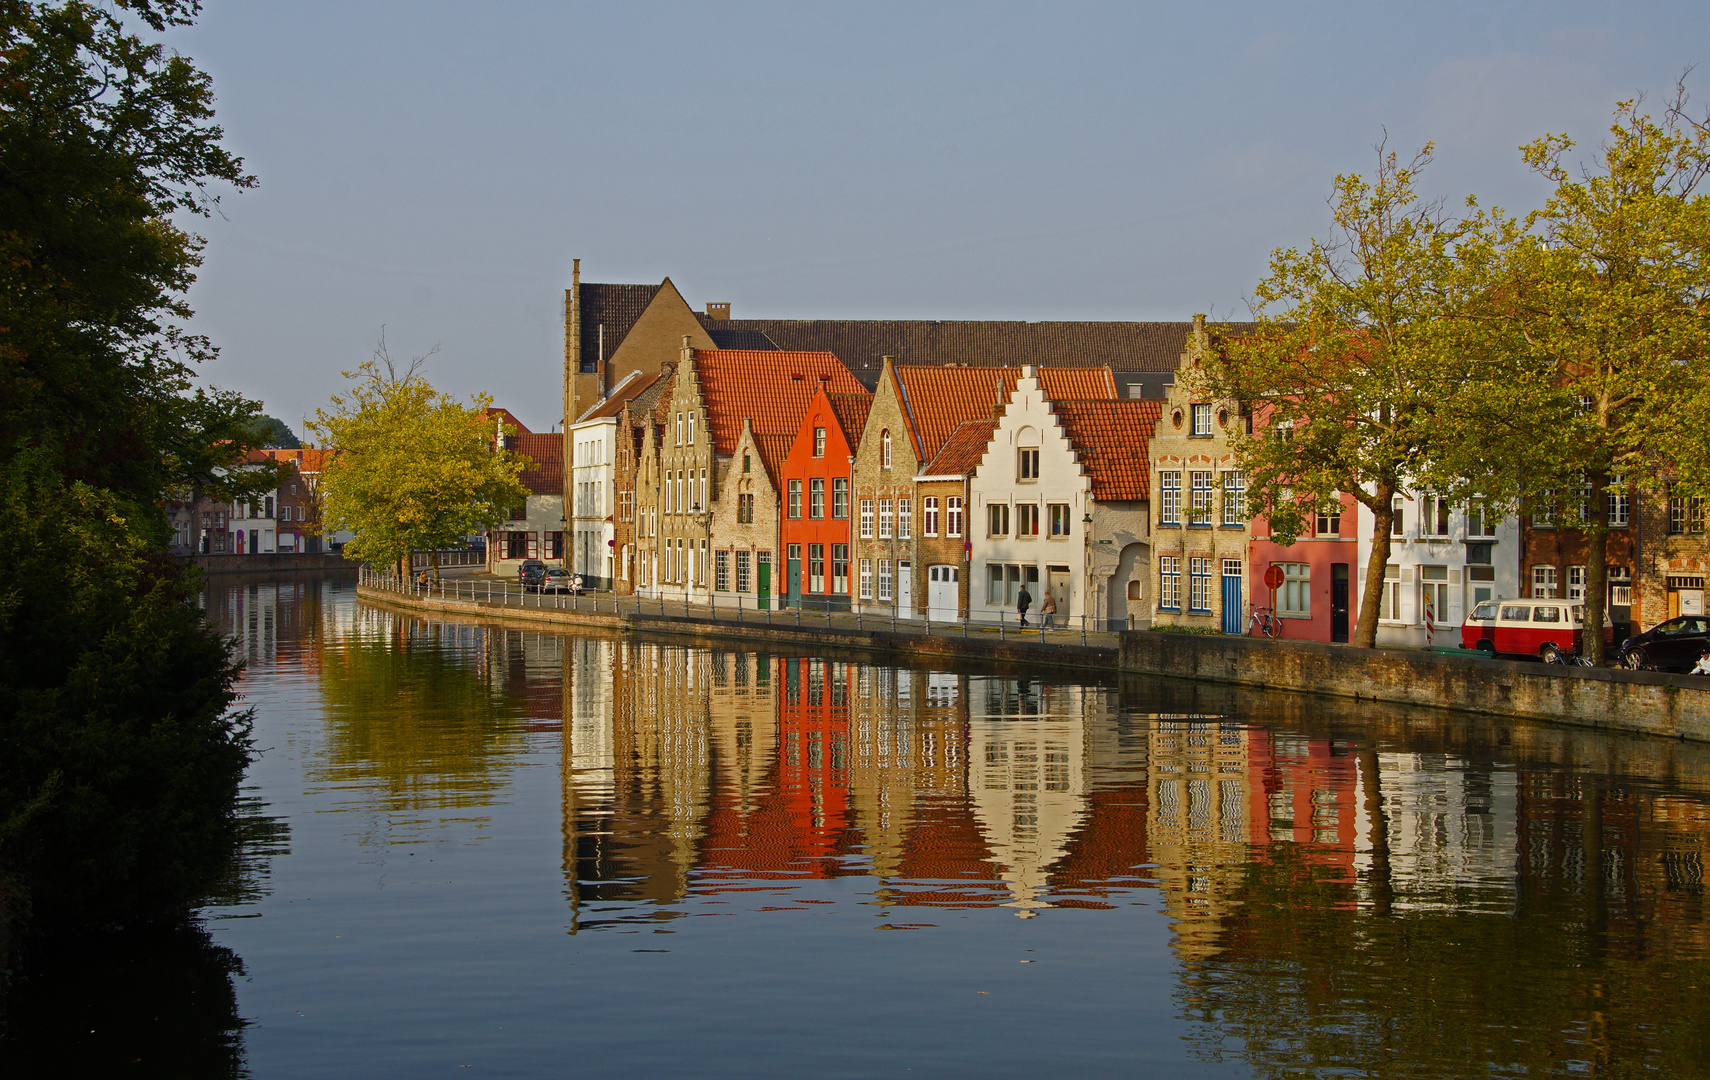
<point>1674,645</point>
<point>530,573</point>
<point>560,580</point>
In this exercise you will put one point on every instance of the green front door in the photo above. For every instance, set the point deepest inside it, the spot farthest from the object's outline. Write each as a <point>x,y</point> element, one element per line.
<point>793,584</point>
<point>763,595</point>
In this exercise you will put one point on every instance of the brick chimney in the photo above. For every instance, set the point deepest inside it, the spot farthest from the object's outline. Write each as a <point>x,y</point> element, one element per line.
<point>718,311</point>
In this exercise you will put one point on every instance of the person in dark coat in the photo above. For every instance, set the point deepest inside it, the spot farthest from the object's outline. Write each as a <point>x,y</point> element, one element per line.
<point>1023,601</point>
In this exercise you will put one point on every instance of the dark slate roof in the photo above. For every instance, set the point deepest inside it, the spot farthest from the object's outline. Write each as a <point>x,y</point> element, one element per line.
<point>615,306</point>
<point>726,338</point>
<point>862,343</point>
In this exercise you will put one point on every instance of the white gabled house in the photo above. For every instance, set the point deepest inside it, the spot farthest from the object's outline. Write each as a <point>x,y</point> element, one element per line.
<point>1443,560</point>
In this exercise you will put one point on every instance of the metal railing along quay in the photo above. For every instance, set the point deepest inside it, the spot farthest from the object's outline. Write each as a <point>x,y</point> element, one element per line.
<point>738,609</point>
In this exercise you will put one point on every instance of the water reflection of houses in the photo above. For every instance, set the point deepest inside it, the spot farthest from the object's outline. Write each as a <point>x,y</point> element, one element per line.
<point>1027,776</point>
<point>634,819</point>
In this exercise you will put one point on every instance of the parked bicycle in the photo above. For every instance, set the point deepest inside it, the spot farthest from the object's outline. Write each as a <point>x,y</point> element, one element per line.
<point>1554,655</point>
<point>1264,623</point>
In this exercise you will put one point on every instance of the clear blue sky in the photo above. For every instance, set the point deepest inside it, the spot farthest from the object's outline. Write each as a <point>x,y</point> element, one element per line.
<point>433,168</point>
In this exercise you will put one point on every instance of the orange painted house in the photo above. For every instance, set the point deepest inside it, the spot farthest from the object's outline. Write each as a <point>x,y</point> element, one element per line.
<point>815,483</point>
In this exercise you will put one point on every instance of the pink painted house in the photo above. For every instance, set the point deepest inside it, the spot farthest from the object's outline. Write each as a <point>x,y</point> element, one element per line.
<point>1318,599</point>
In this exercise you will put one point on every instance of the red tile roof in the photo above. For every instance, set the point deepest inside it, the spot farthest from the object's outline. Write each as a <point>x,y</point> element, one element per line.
<point>310,459</point>
<point>851,412</point>
<point>774,450</point>
<point>546,475</point>
<point>770,388</point>
<point>962,451</point>
<point>939,399</point>
<point>1111,438</point>
<point>510,419</point>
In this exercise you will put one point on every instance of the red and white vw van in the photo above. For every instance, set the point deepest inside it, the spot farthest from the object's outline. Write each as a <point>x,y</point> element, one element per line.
<point>1528,627</point>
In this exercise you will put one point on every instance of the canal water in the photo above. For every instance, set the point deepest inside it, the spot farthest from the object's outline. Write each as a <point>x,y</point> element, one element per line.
<point>481,851</point>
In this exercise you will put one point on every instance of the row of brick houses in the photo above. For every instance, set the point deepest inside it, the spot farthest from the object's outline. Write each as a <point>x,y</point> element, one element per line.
<point>286,519</point>
<point>937,469</point>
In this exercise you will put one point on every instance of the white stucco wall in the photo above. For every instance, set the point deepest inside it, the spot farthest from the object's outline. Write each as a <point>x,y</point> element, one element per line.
<point>1416,548</point>
<point>1028,420</point>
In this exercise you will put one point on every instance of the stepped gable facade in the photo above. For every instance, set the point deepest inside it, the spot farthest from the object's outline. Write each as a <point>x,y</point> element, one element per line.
<point>814,532</point>
<point>1035,516</point>
<point>697,427</point>
<point>635,433</point>
<point>745,522</point>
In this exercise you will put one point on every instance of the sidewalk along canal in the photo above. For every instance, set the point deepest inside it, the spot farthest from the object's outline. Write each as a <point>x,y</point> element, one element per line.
<point>1671,706</point>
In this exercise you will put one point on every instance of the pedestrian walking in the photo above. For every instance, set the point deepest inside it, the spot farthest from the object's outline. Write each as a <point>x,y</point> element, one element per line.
<point>1023,601</point>
<point>1048,610</point>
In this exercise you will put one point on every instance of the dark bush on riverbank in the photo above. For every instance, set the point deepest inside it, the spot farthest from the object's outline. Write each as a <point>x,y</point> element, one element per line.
<point>120,756</point>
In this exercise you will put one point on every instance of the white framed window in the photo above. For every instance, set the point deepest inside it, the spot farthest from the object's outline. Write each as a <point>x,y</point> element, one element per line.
<point>818,442</point>
<point>905,519</point>
<point>1170,498</point>
<point>1398,517</point>
<point>1389,606</point>
<point>1618,506</point>
<point>866,519</point>
<point>1329,525</point>
<point>679,429</point>
<point>1295,596</point>
<point>1027,467</point>
<point>1170,582</point>
<point>1201,491</point>
<point>953,515</point>
<point>1202,419</point>
<point>744,565</point>
<point>1060,521</point>
<point>1199,585</point>
<point>1543,582</point>
<point>1234,498</point>
<point>721,571</point>
<point>1576,583</point>
<point>1435,519</point>
<point>1434,595</point>
<point>1620,586</point>
<point>884,579</point>
<point>997,519</point>
<point>885,449</point>
<point>691,418</point>
<point>1481,523</point>
<point>929,516</point>
<point>1027,520</point>
<point>866,579</point>
<point>884,519</point>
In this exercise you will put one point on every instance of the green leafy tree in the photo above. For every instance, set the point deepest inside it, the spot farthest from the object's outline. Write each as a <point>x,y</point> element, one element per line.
<point>415,469</point>
<point>275,434</point>
<point>1353,370</point>
<point>119,756</point>
<point>1609,289</point>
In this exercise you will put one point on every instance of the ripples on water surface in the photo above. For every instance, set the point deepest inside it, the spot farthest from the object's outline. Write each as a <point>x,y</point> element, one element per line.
<point>512,853</point>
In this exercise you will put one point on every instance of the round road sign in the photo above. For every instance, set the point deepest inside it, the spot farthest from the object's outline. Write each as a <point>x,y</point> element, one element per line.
<point>1274,578</point>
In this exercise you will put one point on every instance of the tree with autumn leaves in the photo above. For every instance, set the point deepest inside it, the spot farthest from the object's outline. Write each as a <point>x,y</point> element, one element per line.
<point>414,469</point>
<point>1528,364</point>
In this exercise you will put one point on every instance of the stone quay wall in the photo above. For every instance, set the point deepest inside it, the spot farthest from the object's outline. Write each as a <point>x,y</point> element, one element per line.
<point>270,562</point>
<point>1676,706</point>
<point>1672,706</point>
